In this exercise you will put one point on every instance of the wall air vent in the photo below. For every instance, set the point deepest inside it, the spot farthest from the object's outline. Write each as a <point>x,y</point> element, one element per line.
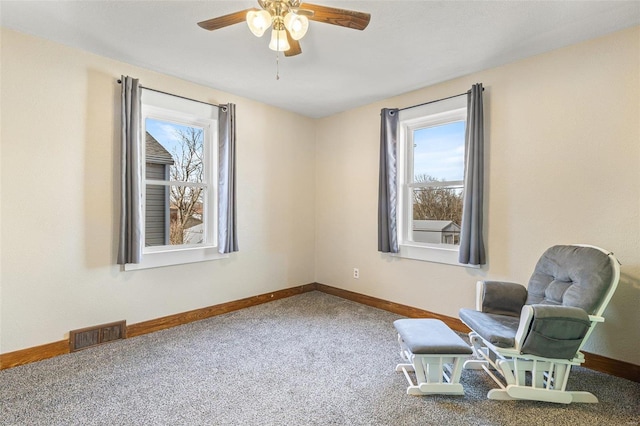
<point>92,336</point>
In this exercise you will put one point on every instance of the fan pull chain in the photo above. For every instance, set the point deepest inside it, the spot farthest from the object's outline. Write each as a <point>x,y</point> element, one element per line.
<point>277,65</point>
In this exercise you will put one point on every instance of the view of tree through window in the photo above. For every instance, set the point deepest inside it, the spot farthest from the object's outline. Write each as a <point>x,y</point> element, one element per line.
<point>438,174</point>
<point>176,186</point>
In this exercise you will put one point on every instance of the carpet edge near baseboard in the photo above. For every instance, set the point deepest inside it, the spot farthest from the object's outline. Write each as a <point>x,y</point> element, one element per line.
<point>61,347</point>
<point>595,362</point>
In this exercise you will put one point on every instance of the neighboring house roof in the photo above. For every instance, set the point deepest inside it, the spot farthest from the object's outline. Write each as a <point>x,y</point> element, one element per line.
<point>155,152</point>
<point>194,235</point>
<point>191,222</point>
<point>435,225</point>
<point>194,220</point>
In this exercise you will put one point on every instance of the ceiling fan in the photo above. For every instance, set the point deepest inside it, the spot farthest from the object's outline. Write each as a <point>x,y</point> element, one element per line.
<point>289,20</point>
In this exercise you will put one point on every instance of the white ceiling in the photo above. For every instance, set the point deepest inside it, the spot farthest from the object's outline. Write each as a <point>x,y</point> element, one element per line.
<point>407,45</point>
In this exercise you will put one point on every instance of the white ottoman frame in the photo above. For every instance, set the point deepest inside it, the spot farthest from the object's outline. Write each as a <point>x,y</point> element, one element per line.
<point>436,373</point>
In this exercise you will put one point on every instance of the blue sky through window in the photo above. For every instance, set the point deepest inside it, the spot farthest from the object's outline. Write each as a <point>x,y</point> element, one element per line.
<point>439,151</point>
<point>165,133</point>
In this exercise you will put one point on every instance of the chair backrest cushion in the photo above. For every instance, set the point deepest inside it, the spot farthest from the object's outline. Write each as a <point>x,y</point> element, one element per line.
<point>571,276</point>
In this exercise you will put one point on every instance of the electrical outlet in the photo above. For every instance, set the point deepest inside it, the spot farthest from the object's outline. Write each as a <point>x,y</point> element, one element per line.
<point>356,273</point>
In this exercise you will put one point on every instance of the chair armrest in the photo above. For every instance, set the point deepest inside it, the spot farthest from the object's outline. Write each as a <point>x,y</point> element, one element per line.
<point>501,298</point>
<point>551,331</point>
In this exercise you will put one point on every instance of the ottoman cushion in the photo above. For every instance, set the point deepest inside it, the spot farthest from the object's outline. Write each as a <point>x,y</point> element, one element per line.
<point>430,336</point>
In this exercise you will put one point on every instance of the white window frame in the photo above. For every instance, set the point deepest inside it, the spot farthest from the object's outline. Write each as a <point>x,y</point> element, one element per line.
<point>429,115</point>
<point>168,108</point>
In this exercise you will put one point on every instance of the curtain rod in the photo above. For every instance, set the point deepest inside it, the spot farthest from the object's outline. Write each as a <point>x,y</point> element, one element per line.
<point>437,100</point>
<point>177,96</point>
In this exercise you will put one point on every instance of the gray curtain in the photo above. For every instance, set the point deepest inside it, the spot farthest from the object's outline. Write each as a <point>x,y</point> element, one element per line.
<point>472,250</point>
<point>130,245</point>
<point>387,185</point>
<point>227,226</point>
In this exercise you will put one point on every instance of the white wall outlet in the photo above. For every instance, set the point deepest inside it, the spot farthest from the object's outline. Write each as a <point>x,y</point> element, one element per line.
<point>356,273</point>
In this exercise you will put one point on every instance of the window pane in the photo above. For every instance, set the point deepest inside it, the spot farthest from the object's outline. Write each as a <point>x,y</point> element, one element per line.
<point>437,214</point>
<point>187,205</point>
<point>178,147</point>
<point>438,152</point>
<point>174,215</point>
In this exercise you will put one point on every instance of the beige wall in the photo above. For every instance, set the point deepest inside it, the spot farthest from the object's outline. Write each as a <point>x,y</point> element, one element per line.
<point>563,143</point>
<point>59,200</point>
<point>563,161</point>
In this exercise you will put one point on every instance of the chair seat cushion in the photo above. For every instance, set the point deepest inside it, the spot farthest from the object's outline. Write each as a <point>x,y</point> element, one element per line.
<point>499,330</point>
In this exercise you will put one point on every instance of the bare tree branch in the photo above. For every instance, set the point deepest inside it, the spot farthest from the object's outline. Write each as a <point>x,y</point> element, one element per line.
<point>437,202</point>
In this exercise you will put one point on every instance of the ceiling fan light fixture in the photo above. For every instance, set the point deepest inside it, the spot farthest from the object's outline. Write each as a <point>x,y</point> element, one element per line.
<point>258,21</point>
<point>296,24</point>
<point>288,20</point>
<point>279,41</point>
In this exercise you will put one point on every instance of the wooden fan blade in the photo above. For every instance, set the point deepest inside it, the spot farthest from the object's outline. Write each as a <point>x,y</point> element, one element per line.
<point>302,12</point>
<point>294,46</point>
<point>224,21</point>
<point>341,17</point>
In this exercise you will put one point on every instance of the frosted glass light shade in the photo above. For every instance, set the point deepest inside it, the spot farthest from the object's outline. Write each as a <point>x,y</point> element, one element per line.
<point>258,21</point>
<point>279,41</point>
<point>296,24</point>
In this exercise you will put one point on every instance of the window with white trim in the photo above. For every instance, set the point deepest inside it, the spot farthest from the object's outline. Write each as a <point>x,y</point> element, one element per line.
<point>431,152</point>
<point>179,167</point>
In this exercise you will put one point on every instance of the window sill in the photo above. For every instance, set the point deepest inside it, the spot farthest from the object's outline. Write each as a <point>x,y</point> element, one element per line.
<point>159,259</point>
<point>445,255</point>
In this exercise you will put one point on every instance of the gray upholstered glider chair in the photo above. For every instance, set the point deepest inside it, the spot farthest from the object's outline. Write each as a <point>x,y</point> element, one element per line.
<point>527,339</point>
